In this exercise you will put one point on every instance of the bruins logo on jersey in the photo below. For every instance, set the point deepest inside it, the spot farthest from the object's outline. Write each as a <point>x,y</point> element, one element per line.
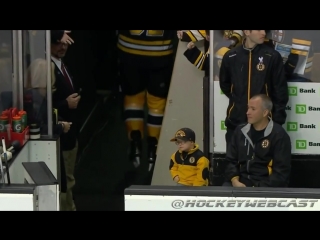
<point>260,65</point>
<point>265,143</point>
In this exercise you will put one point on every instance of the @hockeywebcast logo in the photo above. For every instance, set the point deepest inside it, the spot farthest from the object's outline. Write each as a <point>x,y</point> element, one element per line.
<point>245,203</point>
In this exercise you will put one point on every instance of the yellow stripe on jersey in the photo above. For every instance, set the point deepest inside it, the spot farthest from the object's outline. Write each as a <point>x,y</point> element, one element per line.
<point>202,58</point>
<point>144,42</point>
<point>196,35</point>
<point>145,48</point>
<point>300,41</point>
<point>198,59</point>
<point>309,65</point>
<point>201,67</point>
<point>302,53</point>
<point>221,52</point>
<point>300,47</point>
<point>307,70</point>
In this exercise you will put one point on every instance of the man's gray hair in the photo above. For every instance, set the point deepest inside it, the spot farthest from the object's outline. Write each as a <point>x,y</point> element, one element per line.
<point>266,101</point>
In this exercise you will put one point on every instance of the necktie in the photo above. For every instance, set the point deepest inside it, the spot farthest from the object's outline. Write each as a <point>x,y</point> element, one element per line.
<point>64,72</point>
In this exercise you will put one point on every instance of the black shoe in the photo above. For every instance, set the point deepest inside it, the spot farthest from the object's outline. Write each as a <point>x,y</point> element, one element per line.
<point>135,148</point>
<point>152,149</point>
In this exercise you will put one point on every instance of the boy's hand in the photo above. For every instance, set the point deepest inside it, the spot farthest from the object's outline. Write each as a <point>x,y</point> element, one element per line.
<point>176,179</point>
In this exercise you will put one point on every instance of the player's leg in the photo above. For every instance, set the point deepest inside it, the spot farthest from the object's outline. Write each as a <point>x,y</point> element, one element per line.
<point>133,88</point>
<point>157,92</point>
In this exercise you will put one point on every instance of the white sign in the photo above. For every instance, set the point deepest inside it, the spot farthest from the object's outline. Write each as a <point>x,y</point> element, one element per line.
<point>194,203</point>
<point>16,202</point>
<point>303,118</point>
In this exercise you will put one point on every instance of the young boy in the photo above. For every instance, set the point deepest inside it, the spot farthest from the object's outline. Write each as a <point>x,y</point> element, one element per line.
<point>188,165</point>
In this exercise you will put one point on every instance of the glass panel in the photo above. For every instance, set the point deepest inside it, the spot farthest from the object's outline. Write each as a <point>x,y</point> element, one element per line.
<point>35,78</point>
<point>6,69</point>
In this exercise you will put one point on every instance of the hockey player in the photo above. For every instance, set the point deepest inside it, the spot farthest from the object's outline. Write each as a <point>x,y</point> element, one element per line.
<point>201,59</point>
<point>297,49</point>
<point>196,56</point>
<point>191,35</point>
<point>146,64</point>
<point>235,36</point>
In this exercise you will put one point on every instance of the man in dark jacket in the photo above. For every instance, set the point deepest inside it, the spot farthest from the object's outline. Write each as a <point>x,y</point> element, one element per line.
<point>259,154</point>
<point>66,99</point>
<point>36,106</point>
<point>250,69</point>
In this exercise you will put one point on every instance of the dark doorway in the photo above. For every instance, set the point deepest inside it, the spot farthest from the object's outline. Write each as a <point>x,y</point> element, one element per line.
<point>101,167</point>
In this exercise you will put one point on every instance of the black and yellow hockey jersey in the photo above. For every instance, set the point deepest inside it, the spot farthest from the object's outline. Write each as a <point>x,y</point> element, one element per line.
<point>192,167</point>
<point>198,58</point>
<point>151,43</point>
<point>193,35</point>
<point>201,59</point>
<point>297,49</point>
<point>199,35</point>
